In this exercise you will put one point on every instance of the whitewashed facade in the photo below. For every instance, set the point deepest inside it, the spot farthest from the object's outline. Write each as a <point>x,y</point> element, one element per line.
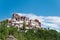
<point>17,21</point>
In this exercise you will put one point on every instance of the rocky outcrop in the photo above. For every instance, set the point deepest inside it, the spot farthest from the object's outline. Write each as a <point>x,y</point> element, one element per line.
<point>11,37</point>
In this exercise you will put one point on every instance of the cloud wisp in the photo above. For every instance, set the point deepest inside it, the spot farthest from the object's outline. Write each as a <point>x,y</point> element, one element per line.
<point>52,22</point>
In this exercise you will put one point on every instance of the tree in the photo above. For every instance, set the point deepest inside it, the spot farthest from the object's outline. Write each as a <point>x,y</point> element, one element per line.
<point>24,25</point>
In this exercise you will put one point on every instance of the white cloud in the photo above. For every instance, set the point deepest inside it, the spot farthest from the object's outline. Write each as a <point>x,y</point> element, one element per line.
<point>53,22</point>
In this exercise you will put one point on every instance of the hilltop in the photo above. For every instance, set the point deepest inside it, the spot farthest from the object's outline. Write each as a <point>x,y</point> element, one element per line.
<point>35,33</point>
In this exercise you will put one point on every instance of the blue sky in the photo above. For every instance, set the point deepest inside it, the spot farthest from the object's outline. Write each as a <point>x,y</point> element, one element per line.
<point>47,11</point>
<point>38,7</point>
